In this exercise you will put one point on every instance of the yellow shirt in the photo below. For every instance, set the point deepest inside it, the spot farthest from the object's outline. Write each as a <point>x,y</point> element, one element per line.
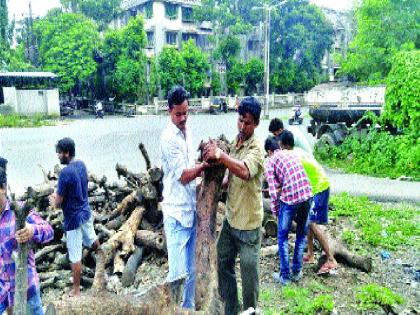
<point>244,203</point>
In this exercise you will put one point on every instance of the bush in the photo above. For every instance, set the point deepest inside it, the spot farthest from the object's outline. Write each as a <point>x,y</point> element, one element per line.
<point>372,296</point>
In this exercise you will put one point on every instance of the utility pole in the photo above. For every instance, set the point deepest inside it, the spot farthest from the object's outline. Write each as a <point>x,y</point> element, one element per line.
<point>267,10</point>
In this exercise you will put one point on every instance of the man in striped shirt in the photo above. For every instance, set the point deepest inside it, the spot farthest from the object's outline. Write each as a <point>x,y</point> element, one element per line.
<point>36,230</point>
<point>291,195</point>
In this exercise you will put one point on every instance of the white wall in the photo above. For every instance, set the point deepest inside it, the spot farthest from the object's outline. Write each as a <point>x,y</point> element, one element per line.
<point>29,102</point>
<point>341,94</point>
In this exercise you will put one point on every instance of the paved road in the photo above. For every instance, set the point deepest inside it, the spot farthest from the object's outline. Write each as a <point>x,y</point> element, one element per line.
<point>103,143</point>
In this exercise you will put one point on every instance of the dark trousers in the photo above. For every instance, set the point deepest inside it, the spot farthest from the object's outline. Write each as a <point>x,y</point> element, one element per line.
<point>247,244</point>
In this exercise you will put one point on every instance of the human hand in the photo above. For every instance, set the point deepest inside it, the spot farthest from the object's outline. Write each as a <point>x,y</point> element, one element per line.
<point>25,235</point>
<point>210,151</point>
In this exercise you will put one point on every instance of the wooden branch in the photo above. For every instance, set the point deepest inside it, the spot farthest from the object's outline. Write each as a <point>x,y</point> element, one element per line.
<point>124,238</point>
<point>151,239</point>
<point>145,155</point>
<point>130,269</point>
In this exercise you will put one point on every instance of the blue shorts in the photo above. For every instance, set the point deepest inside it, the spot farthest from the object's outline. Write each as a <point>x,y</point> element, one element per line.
<point>319,212</point>
<point>83,235</point>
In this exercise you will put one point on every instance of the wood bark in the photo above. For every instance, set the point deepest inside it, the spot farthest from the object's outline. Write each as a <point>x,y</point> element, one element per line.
<point>206,294</point>
<point>130,269</point>
<point>21,263</point>
<point>123,238</point>
<point>151,239</point>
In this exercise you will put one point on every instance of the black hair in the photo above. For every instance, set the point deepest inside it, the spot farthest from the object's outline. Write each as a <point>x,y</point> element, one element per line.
<point>287,139</point>
<point>271,144</point>
<point>177,95</point>
<point>3,174</point>
<point>66,145</point>
<point>275,124</point>
<point>250,105</point>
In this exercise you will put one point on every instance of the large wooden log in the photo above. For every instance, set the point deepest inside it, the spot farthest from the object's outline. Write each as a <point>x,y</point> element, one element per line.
<point>206,296</point>
<point>124,238</point>
<point>130,269</point>
<point>160,299</point>
<point>151,239</point>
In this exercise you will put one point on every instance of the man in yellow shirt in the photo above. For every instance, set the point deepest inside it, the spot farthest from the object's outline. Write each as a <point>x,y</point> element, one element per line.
<point>241,230</point>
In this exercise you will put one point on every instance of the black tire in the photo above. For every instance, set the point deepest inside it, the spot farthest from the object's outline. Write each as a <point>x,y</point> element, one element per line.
<point>326,141</point>
<point>291,121</point>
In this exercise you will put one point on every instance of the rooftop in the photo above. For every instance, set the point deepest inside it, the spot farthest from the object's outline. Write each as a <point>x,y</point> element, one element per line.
<point>127,4</point>
<point>28,75</point>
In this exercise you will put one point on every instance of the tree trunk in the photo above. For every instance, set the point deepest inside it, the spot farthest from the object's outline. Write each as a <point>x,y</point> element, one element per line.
<point>130,269</point>
<point>151,239</point>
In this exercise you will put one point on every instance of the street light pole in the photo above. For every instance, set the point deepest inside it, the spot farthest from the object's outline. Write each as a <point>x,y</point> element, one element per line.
<point>267,10</point>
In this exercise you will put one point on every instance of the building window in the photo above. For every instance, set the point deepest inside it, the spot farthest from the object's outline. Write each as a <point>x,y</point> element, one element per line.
<point>187,15</point>
<point>171,11</point>
<point>148,10</point>
<point>187,36</point>
<point>171,38</point>
<point>150,39</point>
<point>252,45</point>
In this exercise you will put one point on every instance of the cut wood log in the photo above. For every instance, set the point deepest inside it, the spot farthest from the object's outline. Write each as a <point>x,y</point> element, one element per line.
<point>160,299</point>
<point>123,238</point>
<point>130,202</point>
<point>151,239</point>
<point>40,255</point>
<point>269,251</point>
<point>270,225</point>
<point>145,156</point>
<point>130,269</point>
<point>206,293</point>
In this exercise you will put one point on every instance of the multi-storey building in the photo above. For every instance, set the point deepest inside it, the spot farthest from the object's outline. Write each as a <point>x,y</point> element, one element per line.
<point>167,22</point>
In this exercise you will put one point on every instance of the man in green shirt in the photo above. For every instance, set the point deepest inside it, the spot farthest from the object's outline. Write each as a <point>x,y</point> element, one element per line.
<point>319,211</point>
<point>241,230</point>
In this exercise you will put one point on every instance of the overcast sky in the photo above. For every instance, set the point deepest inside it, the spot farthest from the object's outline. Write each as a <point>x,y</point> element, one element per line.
<point>40,7</point>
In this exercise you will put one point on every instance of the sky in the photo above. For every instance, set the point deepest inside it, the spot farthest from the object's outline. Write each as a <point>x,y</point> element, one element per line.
<point>19,8</point>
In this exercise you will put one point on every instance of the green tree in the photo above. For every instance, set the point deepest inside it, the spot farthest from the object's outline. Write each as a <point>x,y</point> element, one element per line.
<point>196,67</point>
<point>383,28</point>
<point>300,37</point>
<point>254,74</point>
<point>125,61</point>
<point>216,85</point>
<point>235,77</point>
<point>66,45</point>
<point>102,11</point>
<point>402,99</point>
<point>170,68</point>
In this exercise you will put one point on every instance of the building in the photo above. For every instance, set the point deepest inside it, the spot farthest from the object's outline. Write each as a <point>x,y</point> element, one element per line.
<point>168,22</point>
<point>28,93</point>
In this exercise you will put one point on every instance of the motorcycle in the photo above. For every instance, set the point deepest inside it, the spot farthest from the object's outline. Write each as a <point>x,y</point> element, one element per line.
<point>295,118</point>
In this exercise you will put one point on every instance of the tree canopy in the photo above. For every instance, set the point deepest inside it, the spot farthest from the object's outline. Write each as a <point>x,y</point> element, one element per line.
<point>383,28</point>
<point>66,46</point>
<point>102,11</point>
<point>170,68</point>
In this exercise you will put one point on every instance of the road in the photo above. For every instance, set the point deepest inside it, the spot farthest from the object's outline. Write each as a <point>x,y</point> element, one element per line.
<point>103,143</point>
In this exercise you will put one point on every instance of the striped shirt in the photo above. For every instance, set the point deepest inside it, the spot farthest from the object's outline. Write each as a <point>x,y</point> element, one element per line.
<point>284,172</point>
<point>177,154</point>
<point>43,233</point>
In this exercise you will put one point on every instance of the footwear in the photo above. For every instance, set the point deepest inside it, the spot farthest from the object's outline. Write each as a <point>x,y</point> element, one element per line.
<point>296,276</point>
<point>279,279</point>
<point>327,267</point>
<point>308,259</point>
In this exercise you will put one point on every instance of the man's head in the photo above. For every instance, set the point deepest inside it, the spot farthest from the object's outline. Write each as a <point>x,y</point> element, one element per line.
<point>271,145</point>
<point>276,126</point>
<point>287,141</point>
<point>249,117</point>
<point>178,106</point>
<point>66,150</point>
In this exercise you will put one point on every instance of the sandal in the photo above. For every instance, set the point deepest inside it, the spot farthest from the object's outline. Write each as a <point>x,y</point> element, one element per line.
<point>308,260</point>
<point>327,267</point>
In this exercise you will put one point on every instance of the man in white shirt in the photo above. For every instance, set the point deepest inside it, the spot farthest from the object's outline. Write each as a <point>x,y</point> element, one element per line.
<point>179,193</point>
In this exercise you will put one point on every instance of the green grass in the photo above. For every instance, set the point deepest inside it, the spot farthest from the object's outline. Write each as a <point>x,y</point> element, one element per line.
<point>372,297</point>
<point>376,225</point>
<point>20,121</point>
<point>314,299</point>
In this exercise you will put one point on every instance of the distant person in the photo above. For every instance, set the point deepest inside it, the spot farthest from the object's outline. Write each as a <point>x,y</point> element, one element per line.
<point>291,198</point>
<point>72,197</point>
<point>99,110</point>
<point>276,127</point>
<point>36,230</point>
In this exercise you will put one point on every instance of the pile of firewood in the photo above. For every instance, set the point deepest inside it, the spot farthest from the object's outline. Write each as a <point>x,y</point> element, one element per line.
<point>127,220</point>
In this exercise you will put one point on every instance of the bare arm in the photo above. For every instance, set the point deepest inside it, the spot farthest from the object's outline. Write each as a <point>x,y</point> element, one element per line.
<point>190,174</point>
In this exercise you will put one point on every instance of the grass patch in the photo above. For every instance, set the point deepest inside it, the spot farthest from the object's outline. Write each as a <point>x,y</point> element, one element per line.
<point>378,226</point>
<point>315,299</point>
<point>372,297</point>
<point>20,121</point>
